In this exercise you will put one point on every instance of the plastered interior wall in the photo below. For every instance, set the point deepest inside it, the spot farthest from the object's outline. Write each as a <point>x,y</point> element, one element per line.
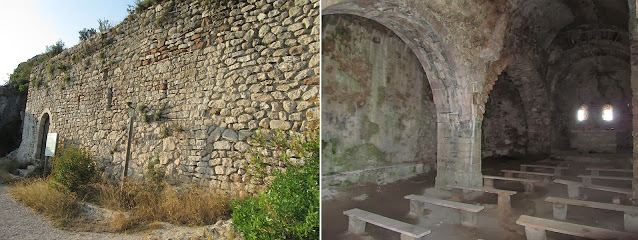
<point>378,116</point>
<point>504,122</point>
<point>202,78</point>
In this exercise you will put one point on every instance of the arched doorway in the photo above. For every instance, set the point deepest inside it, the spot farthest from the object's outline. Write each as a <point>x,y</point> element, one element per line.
<point>43,131</point>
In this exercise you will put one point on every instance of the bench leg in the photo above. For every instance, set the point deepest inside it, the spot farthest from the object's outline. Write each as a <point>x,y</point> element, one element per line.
<point>469,219</point>
<point>557,171</point>
<point>504,206</point>
<point>356,226</point>
<point>595,173</point>
<point>406,237</point>
<point>560,211</point>
<point>535,234</point>
<point>416,208</point>
<point>573,191</point>
<point>546,181</point>
<point>457,194</point>
<point>631,222</point>
<point>529,187</point>
<point>587,180</point>
<point>488,182</point>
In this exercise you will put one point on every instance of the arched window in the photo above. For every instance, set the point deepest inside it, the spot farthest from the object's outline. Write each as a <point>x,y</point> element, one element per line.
<point>581,114</point>
<point>608,112</point>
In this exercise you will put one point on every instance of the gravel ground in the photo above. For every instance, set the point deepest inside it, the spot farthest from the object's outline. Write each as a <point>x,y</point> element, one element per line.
<point>19,222</point>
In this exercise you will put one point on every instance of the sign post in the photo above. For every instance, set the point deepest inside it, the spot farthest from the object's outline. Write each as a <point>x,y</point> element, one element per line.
<point>49,150</point>
<point>131,112</point>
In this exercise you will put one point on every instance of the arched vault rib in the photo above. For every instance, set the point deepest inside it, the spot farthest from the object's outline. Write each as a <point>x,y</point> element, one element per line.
<point>458,157</point>
<point>559,65</point>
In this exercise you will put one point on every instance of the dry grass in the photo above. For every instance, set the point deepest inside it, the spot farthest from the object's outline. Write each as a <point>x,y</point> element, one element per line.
<point>120,223</point>
<point>5,177</point>
<point>191,205</point>
<point>57,204</point>
<point>146,204</point>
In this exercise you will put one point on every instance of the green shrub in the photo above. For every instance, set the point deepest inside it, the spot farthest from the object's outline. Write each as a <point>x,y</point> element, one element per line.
<point>55,49</point>
<point>105,25</point>
<point>73,168</point>
<point>86,33</point>
<point>289,208</point>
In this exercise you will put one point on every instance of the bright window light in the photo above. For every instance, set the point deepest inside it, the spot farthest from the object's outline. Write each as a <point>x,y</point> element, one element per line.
<point>608,113</point>
<point>581,115</point>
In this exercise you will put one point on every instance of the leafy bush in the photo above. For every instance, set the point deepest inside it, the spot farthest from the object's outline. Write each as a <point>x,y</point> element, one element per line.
<point>289,208</point>
<point>87,33</point>
<point>21,75</point>
<point>73,168</point>
<point>105,25</point>
<point>55,49</point>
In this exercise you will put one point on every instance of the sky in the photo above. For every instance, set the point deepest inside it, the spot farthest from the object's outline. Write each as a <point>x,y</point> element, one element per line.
<point>27,27</point>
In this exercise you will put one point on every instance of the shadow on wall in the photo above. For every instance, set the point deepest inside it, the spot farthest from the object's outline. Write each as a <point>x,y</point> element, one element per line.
<point>12,105</point>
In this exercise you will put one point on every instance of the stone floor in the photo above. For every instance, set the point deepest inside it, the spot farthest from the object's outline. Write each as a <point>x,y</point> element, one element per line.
<point>387,200</point>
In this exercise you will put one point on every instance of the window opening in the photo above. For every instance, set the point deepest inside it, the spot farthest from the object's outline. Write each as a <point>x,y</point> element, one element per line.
<point>608,112</point>
<point>581,114</point>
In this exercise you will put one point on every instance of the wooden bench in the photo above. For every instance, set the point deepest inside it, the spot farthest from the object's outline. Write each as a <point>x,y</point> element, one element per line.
<point>358,219</point>
<point>596,171</point>
<point>573,188</point>
<point>468,212</point>
<point>535,229</point>
<point>560,210</point>
<point>587,178</point>
<point>488,181</point>
<point>557,169</point>
<point>504,205</point>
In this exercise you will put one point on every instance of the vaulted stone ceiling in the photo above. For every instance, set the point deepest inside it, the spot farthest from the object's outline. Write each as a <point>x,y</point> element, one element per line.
<point>541,23</point>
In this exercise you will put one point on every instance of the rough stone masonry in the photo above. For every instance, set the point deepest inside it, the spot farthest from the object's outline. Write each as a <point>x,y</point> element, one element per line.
<point>202,78</point>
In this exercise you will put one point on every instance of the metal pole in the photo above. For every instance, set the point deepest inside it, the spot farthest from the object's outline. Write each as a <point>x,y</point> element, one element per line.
<point>128,145</point>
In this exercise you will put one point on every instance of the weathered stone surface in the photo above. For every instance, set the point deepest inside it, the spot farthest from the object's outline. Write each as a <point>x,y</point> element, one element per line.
<point>199,87</point>
<point>279,124</point>
<point>375,113</point>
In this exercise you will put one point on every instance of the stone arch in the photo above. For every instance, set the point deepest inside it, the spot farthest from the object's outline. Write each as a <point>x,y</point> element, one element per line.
<point>533,92</point>
<point>568,57</point>
<point>423,37</point>
<point>535,97</point>
<point>458,157</point>
<point>44,125</point>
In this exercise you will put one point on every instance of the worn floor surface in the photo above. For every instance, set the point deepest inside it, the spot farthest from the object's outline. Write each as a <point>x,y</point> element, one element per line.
<point>387,200</point>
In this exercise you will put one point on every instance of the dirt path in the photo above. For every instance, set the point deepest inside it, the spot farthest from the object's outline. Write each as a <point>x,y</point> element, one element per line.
<point>19,222</point>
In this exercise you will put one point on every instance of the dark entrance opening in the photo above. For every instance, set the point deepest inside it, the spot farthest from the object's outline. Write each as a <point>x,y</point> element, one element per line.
<point>45,122</point>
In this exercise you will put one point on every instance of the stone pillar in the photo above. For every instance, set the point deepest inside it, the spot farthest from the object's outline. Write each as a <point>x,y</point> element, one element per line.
<point>458,152</point>
<point>633,30</point>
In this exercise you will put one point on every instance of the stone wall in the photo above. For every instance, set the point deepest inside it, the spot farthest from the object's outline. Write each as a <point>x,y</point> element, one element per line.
<point>378,116</point>
<point>594,82</point>
<point>202,78</point>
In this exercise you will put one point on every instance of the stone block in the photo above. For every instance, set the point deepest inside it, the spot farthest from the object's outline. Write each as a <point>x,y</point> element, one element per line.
<point>222,145</point>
